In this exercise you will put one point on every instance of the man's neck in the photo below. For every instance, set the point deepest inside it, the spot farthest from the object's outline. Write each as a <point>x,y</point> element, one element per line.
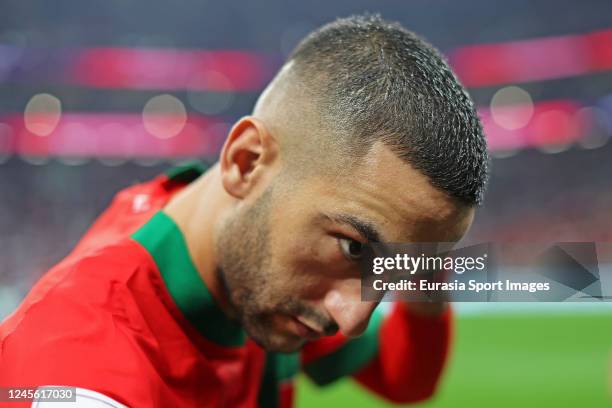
<point>195,210</point>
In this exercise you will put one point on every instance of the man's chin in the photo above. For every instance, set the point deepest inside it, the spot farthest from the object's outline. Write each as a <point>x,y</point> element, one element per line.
<point>288,347</point>
<point>280,343</point>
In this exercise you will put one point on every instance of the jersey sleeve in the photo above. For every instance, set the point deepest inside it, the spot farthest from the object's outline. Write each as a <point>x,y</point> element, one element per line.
<point>89,332</point>
<point>58,341</point>
<point>400,356</point>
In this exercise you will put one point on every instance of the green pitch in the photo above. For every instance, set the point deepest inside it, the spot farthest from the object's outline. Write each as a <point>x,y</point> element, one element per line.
<point>520,360</point>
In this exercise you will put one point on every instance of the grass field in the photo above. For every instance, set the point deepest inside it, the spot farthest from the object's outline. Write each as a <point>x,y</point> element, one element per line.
<point>508,360</point>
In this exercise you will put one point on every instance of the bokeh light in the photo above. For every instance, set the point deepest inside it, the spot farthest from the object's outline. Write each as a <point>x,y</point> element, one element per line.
<point>42,114</point>
<point>110,156</point>
<point>216,135</point>
<point>148,161</point>
<point>592,123</point>
<point>6,141</point>
<point>554,131</point>
<point>503,153</point>
<point>511,107</point>
<point>77,142</point>
<point>164,116</point>
<point>35,160</point>
<point>209,102</point>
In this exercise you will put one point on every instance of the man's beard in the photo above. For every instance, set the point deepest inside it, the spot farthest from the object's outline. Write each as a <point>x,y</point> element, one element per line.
<point>243,250</point>
<point>245,272</point>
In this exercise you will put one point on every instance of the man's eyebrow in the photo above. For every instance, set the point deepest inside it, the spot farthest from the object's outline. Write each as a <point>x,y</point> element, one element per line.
<point>366,229</point>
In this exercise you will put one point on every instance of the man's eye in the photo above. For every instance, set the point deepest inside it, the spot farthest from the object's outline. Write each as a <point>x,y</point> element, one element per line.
<point>351,249</point>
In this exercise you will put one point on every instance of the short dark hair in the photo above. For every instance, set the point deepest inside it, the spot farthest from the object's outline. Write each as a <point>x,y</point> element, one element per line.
<point>380,81</point>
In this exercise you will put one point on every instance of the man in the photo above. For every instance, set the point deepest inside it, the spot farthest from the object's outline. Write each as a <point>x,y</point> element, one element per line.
<point>216,289</point>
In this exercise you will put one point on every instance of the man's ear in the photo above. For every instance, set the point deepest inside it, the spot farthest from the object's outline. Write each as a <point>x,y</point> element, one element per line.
<point>247,156</point>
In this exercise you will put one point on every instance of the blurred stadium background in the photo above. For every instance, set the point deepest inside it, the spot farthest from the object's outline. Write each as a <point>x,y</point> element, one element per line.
<point>96,96</point>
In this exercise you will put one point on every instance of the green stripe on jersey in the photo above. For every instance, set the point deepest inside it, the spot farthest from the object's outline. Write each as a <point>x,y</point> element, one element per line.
<point>161,237</point>
<point>288,366</point>
<point>349,358</point>
<point>186,172</point>
<point>279,367</point>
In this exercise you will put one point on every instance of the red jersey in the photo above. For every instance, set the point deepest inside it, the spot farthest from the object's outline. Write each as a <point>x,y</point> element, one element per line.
<point>127,315</point>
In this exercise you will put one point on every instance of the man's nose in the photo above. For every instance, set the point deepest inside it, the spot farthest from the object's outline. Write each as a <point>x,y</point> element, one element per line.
<point>350,313</point>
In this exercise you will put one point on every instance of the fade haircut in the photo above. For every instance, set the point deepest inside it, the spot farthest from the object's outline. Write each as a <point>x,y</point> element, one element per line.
<point>376,81</point>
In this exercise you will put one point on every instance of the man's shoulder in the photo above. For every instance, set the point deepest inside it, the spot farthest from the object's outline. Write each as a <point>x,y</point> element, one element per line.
<point>92,269</point>
<point>78,291</point>
<point>136,204</point>
<point>94,320</point>
<point>80,324</point>
<point>129,209</point>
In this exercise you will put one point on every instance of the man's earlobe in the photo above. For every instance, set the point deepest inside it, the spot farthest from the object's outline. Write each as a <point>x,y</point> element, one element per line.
<point>247,154</point>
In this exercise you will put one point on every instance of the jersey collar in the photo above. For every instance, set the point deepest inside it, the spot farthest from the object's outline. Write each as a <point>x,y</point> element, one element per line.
<point>186,172</point>
<point>161,237</point>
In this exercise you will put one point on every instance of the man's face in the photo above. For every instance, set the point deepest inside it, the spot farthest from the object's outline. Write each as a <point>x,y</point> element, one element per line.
<point>290,261</point>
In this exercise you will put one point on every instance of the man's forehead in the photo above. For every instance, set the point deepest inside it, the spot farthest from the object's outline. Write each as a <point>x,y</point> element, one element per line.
<point>389,193</point>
